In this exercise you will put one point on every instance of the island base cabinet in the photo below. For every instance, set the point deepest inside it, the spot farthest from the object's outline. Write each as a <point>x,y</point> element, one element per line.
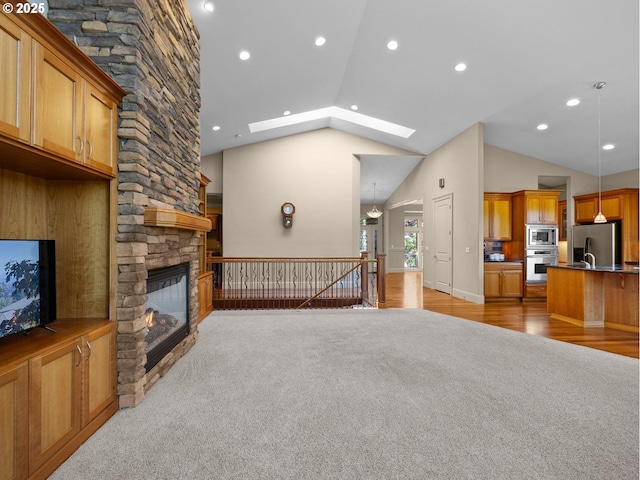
<point>620,311</point>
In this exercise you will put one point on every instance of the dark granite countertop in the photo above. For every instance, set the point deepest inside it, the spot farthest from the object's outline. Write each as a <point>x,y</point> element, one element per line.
<point>632,269</point>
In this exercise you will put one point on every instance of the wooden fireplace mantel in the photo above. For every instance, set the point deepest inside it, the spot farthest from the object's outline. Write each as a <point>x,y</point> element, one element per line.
<point>167,217</point>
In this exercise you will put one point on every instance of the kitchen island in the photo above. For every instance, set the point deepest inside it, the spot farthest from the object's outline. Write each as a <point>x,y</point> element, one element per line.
<point>604,296</point>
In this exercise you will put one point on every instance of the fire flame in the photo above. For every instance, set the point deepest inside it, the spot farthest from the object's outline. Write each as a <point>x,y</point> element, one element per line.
<point>149,317</point>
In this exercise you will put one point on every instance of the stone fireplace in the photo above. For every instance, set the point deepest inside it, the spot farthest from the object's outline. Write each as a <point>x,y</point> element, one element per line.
<point>151,48</point>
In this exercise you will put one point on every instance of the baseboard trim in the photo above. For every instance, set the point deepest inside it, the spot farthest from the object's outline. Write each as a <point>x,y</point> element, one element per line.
<point>472,297</point>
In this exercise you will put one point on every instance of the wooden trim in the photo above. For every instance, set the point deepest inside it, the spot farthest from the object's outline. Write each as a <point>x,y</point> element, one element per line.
<point>171,218</point>
<point>620,326</point>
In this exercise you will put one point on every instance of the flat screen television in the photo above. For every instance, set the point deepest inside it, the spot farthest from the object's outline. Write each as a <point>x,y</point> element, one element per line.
<point>27,285</point>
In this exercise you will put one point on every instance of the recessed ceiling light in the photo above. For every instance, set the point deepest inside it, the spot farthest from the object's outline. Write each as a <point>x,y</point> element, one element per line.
<point>286,112</point>
<point>216,128</point>
<point>461,67</point>
<point>542,126</point>
<point>608,146</point>
<point>354,107</point>
<point>208,6</point>
<point>573,102</point>
<point>238,135</point>
<point>320,41</point>
<point>392,45</point>
<point>244,55</point>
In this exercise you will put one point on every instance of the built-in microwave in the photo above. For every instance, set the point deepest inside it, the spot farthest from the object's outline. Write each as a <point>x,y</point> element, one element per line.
<point>542,236</point>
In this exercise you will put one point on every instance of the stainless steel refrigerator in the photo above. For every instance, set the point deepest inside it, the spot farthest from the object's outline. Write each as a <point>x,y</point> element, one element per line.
<point>600,239</point>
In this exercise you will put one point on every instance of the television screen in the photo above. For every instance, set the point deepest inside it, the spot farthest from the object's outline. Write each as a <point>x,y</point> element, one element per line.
<point>27,285</point>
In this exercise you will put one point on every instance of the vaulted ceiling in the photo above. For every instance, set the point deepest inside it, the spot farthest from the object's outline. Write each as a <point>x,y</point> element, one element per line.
<point>524,60</point>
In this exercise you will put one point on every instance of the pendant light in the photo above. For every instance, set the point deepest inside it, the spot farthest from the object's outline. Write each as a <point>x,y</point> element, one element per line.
<point>600,218</point>
<point>374,212</point>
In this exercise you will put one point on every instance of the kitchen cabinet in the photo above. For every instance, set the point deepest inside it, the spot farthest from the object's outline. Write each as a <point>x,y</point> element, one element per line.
<point>54,102</point>
<point>497,216</point>
<point>617,205</point>
<point>56,389</point>
<point>541,209</point>
<point>562,220</point>
<point>503,279</point>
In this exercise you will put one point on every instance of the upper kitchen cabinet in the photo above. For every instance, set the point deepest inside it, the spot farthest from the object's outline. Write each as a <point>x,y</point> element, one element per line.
<point>55,103</point>
<point>620,205</point>
<point>538,207</point>
<point>614,204</point>
<point>497,216</point>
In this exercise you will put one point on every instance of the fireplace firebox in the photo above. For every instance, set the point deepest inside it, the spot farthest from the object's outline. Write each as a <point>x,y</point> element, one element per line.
<point>167,311</point>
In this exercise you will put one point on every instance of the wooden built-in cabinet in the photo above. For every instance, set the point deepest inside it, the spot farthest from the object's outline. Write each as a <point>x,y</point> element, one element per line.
<point>59,388</point>
<point>497,216</point>
<point>541,208</point>
<point>205,278</point>
<point>53,105</point>
<point>617,205</point>
<point>562,220</point>
<point>503,280</point>
<point>58,150</point>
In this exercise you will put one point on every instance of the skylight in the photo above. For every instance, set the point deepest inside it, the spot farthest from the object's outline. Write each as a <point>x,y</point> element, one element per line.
<point>333,112</point>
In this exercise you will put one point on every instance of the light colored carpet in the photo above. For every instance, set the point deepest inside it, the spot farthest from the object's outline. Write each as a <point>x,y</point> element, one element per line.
<point>379,394</point>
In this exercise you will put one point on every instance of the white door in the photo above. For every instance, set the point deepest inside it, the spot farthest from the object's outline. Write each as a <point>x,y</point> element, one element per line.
<point>443,231</point>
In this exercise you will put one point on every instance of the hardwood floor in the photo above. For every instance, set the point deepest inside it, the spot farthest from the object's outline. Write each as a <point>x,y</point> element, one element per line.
<point>405,290</point>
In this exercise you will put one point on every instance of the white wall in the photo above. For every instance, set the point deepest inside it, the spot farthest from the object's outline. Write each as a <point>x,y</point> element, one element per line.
<point>460,163</point>
<point>318,172</point>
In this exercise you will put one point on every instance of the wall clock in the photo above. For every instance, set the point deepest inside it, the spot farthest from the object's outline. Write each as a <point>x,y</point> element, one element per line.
<point>287,209</point>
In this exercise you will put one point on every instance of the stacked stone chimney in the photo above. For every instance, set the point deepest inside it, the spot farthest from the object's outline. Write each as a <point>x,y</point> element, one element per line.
<point>151,48</point>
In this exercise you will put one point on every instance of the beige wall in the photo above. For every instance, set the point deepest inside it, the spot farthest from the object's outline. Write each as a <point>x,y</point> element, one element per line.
<point>628,179</point>
<point>211,167</point>
<point>460,163</point>
<point>318,172</point>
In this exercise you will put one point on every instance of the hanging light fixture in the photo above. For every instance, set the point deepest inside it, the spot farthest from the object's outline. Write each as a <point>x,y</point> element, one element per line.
<point>374,212</point>
<point>600,218</point>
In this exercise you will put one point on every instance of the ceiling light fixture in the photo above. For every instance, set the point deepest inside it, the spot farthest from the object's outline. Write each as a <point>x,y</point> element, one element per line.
<point>392,45</point>
<point>286,112</point>
<point>608,146</point>
<point>374,212</point>
<point>320,41</point>
<point>216,128</point>
<point>244,55</point>
<point>600,218</point>
<point>208,6</point>
<point>573,102</point>
<point>354,107</point>
<point>542,126</point>
<point>461,67</point>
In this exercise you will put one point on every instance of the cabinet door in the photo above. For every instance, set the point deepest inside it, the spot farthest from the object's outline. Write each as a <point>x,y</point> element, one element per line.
<point>487,218</point>
<point>492,283</point>
<point>54,401</point>
<point>512,283</point>
<point>612,207</point>
<point>534,209</point>
<point>58,106</point>
<point>549,210</point>
<point>501,218</point>
<point>14,426</point>
<point>99,372</point>
<point>15,72</point>
<point>585,210</point>
<point>100,131</point>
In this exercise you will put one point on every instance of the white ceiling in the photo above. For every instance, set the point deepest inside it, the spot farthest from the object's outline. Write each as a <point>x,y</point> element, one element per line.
<point>525,60</point>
